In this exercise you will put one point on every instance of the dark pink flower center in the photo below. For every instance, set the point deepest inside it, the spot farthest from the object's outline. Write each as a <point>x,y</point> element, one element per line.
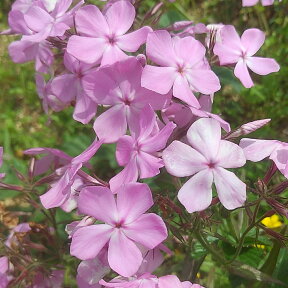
<point>211,165</point>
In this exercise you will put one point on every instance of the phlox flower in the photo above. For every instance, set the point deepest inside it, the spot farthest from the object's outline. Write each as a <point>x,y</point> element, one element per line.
<point>172,281</point>
<point>184,67</point>
<point>49,23</point>
<point>61,190</point>
<point>254,2</point>
<point>102,37</point>
<point>67,87</point>
<point>119,86</point>
<point>125,225</point>
<point>256,150</point>
<point>207,161</point>
<point>138,152</point>
<point>233,49</point>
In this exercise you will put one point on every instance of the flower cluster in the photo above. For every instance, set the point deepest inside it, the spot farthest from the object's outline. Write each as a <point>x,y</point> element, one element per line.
<point>154,91</point>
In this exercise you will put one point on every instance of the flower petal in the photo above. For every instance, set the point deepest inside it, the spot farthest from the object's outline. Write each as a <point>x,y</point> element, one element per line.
<point>231,190</point>
<point>124,150</point>
<point>90,22</point>
<point>262,66</point>
<point>204,135</point>
<point>252,40</point>
<point>127,175</point>
<point>169,281</point>
<point>132,41</point>
<point>148,230</point>
<point>149,165</point>
<point>37,19</point>
<point>158,79</point>
<point>230,155</point>
<point>86,49</point>
<point>196,193</point>
<point>99,203</point>
<point>182,91</point>
<point>111,124</point>
<point>241,72</point>
<point>88,241</point>
<point>159,48</point>
<point>113,54</point>
<point>181,160</point>
<point>256,150</point>
<point>120,17</point>
<point>133,200</point>
<point>124,257</point>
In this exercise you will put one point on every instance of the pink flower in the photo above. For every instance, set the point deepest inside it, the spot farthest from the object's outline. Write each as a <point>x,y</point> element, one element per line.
<point>51,23</point>
<point>52,158</point>
<point>138,152</point>
<point>67,87</point>
<point>256,150</point>
<point>234,49</point>
<point>172,281</point>
<point>61,190</point>
<point>103,36</point>
<point>184,67</point>
<point>119,86</point>
<point>207,162</point>
<point>125,226</point>
<point>248,3</point>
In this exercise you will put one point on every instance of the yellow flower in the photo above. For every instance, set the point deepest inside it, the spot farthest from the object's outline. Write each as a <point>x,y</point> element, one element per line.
<point>260,246</point>
<point>272,222</point>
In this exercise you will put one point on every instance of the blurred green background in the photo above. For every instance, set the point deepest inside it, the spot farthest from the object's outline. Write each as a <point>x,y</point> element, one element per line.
<point>23,123</point>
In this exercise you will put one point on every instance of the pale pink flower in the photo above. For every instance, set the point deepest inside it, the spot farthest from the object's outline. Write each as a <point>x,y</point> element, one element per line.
<point>90,272</point>
<point>118,86</point>
<point>139,152</point>
<point>207,161</point>
<point>256,150</point>
<point>51,23</point>
<point>234,49</point>
<point>247,3</point>
<point>67,87</point>
<point>61,190</point>
<point>125,226</point>
<point>103,37</point>
<point>184,67</point>
<point>172,281</point>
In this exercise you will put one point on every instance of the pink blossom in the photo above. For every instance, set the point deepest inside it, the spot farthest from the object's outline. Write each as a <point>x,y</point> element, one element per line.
<point>138,152</point>
<point>207,161</point>
<point>67,87</point>
<point>90,272</point>
<point>145,280</point>
<point>25,51</point>
<point>234,49</point>
<point>256,150</point>
<point>172,281</point>
<point>248,3</point>
<point>119,86</point>
<point>103,36</point>
<point>125,226</point>
<point>12,238</point>
<point>52,158</point>
<point>51,23</point>
<point>184,67</point>
<point>45,94</point>
<point>61,190</point>
<point>71,228</point>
